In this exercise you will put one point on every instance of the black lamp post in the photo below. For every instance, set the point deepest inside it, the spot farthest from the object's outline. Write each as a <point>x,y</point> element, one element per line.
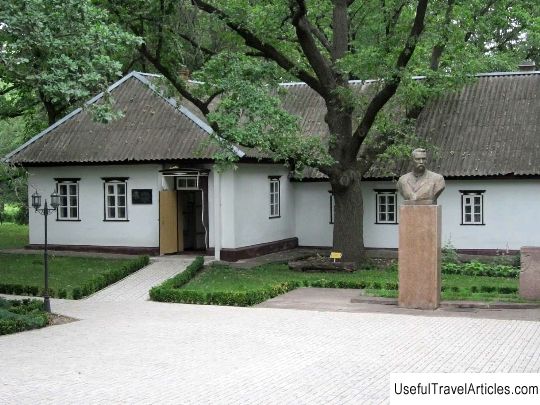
<point>45,211</point>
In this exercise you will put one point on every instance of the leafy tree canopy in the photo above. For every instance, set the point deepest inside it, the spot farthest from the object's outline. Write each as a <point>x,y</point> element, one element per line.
<point>325,43</point>
<point>55,54</point>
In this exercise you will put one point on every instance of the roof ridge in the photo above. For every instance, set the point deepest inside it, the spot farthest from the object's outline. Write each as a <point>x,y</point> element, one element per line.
<point>489,74</point>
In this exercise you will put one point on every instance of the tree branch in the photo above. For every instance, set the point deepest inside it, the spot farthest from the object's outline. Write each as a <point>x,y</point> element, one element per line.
<point>438,49</point>
<point>390,88</point>
<point>481,13</point>
<point>159,46</point>
<point>211,98</point>
<point>321,37</point>
<point>174,80</point>
<point>195,44</point>
<point>393,20</point>
<point>340,25</point>
<point>255,42</point>
<point>318,62</point>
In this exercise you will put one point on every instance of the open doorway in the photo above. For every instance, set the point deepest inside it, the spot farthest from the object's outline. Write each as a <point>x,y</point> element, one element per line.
<point>184,213</point>
<point>193,228</point>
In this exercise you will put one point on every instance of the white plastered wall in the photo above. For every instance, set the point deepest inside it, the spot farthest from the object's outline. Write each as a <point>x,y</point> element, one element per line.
<point>312,213</point>
<point>142,229</point>
<point>511,215</point>
<point>246,206</point>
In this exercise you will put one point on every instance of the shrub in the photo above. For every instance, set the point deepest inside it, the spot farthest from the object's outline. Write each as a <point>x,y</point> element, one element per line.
<point>391,286</point>
<point>448,253</point>
<point>507,290</point>
<point>165,291</point>
<point>475,268</point>
<point>100,281</point>
<point>16,316</point>
<point>95,284</point>
<point>229,298</point>
<point>76,293</point>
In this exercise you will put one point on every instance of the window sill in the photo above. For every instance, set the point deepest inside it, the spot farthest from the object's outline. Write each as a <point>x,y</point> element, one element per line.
<point>278,216</point>
<point>116,220</point>
<point>386,223</point>
<point>473,224</point>
<point>67,220</point>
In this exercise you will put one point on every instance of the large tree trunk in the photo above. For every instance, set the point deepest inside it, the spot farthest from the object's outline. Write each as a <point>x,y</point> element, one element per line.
<point>348,235</point>
<point>348,218</point>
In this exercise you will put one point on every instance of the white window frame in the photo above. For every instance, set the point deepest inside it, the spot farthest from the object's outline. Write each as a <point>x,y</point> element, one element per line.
<point>61,183</point>
<point>472,207</point>
<point>115,194</point>
<point>186,180</point>
<point>384,208</point>
<point>275,197</point>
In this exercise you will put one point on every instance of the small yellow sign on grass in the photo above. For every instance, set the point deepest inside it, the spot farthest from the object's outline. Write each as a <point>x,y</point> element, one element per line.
<point>335,255</point>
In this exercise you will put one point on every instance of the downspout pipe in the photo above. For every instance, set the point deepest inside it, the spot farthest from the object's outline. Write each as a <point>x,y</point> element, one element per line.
<point>217,215</point>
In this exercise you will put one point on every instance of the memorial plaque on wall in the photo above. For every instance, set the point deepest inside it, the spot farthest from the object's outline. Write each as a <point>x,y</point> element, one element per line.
<point>141,196</point>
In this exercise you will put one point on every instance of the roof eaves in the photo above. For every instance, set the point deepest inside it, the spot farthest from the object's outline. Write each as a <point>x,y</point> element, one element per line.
<point>66,118</point>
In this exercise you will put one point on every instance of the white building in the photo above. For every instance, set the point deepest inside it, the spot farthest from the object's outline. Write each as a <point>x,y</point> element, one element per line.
<point>143,183</point>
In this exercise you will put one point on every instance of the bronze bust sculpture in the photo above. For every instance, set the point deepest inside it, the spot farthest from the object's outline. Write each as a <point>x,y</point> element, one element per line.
<point>420,186</point>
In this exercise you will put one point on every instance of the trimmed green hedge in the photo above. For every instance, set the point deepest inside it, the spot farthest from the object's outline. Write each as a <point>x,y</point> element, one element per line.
<point>175,289</point>
<point>16,316</point>
<point>160,292</point>
<point>96,283</point>
<point>172,291</point>
<point>103,280</point>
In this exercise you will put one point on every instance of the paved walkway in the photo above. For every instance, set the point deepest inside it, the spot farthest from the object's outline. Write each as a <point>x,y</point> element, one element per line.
<point>339,300</point>
<point>134,351</point>
<point>136,286</point>
<point>147,352</point>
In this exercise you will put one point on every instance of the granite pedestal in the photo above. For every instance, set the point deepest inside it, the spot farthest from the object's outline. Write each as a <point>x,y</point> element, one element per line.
<point>529,278</point>
<point>419,256</point>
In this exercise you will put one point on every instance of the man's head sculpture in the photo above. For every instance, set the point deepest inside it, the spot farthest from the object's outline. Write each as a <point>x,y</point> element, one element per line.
<point>420,185</point>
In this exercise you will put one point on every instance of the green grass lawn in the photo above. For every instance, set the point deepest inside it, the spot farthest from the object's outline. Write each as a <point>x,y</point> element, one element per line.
<point>13,235</point>
<point>220,278</point>
<point>64,272</point>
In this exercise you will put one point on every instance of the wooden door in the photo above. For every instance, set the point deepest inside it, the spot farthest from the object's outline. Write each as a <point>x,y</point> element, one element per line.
<point>168,222</point>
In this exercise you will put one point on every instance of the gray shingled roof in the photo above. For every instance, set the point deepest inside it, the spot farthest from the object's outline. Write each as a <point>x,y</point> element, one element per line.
<point>152,129</point>
<point>489,128</point>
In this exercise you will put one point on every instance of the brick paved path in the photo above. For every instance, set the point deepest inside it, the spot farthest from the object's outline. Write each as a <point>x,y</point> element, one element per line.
<point>147,352</point>
<point>136,286</point>
<point>128,350</point>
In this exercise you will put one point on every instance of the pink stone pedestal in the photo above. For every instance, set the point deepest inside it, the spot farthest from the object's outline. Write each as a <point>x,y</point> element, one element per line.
<point>420,256</point>
<point>529,278</point>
